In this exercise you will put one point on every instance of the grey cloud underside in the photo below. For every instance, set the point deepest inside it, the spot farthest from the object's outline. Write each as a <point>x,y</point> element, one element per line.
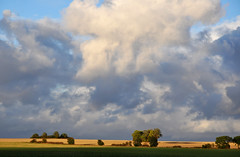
<point>110,85</point>
<point>34,58</point>
<point>229,47</point>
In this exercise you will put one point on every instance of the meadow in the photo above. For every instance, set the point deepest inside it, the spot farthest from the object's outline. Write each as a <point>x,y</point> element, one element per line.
<point>116,152</point>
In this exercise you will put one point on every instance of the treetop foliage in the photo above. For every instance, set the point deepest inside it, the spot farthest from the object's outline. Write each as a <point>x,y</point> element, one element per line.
<point>222,142</point>
<point>150,136</point>
<point>44,135</point>
<point>55,135</point>
<point>63,135</point>
<point>35,135</point>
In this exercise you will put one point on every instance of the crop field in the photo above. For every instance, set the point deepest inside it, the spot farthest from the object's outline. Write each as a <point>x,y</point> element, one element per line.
<point>116,152</point>
<point>89,148</point>
<point>24,142</point>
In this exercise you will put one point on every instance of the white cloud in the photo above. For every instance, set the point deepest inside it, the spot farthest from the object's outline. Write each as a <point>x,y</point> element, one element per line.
<point>216,126</point>
<point>218,31</point>
<point>127,30</point>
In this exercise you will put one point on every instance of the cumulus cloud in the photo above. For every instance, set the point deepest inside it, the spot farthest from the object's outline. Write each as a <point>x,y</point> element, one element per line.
<point>128,34</point>
<point>224,28</point>
<point>107,70</point>
<point>33,55</point>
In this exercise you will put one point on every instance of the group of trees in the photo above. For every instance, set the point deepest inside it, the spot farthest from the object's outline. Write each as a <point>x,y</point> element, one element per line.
<point>222,142</point>
<point>150,136</point>
<point>55,135</point>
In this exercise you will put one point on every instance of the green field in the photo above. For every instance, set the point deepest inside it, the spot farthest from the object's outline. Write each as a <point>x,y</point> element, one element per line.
<point>116,152</point>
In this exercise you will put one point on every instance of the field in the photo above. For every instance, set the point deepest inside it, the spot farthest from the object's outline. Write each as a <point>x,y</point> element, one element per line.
<point>88,148</point>
<point>24,142</point>
<point>116,152</point>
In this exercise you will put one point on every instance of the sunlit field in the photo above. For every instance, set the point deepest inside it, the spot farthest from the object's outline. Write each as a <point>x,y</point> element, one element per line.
<point>25,142</point>
<point>89,148</point>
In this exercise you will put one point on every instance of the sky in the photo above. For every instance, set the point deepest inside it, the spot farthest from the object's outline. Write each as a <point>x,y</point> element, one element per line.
<point>102,69</point>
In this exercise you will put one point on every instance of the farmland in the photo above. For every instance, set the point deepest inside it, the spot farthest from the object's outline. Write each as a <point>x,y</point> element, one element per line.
<point>89,148</point>
<point>24,142</point>
<point>116,152</point>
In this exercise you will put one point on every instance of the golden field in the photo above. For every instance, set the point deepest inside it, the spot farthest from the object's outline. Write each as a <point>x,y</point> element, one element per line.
<point>25,142</point>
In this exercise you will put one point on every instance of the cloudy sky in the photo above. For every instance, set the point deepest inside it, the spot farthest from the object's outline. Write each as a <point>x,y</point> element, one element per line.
<point>102,69</point>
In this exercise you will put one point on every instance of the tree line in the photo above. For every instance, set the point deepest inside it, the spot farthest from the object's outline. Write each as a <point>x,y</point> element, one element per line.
<point>45,135</point>
<point>150,135</point>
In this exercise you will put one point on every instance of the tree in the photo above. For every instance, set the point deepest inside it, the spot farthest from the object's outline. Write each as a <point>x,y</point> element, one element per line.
<point>56,134</point>
<point>153,138</point>
<point>64,135</point>
<point>70,140</point>
<point>153,141</point>
<point>35,135</point>
<point>208,145</point>
<point>236,140</point>
<point>150,136</point>
<point>157,133</point>
<point>222,142</point>
<point>44,135</point>
<point>100,142</point>
<point>137,138</point>
<point>144,136</point>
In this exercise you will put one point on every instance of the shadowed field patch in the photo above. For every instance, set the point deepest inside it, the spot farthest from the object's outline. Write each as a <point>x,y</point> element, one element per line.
<point>115,152</point>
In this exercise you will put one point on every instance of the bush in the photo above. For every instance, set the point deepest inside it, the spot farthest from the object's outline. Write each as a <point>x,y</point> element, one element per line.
<point>33,141</point>
<point>70,140</point>
<point>44,140</point>
<point>208,145</point>
<point>35,135</point>
<point>124,144</point>
<point>100,142</point>
<point>177,146</point>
